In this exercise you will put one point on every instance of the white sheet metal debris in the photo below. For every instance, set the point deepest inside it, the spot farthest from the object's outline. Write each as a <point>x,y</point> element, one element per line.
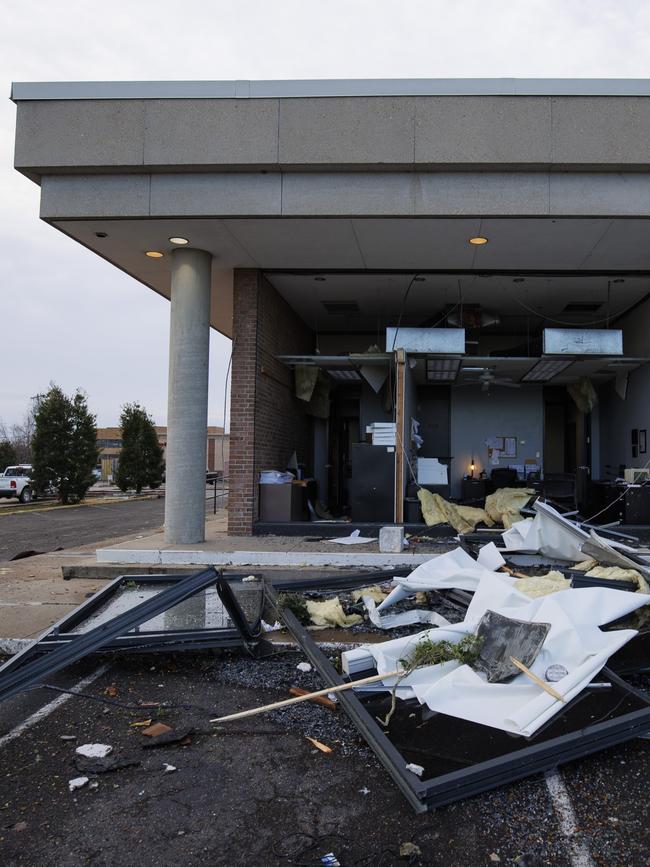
<point>94,751</point>
<point>453,570</point>
<point>404,618</point>
<point>548,533</point>
<point>355,538</point>
<point>519,707</point>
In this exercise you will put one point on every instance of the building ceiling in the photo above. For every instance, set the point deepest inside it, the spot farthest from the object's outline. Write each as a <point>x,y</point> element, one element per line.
<point>386,244</point>
<point>535,301</point>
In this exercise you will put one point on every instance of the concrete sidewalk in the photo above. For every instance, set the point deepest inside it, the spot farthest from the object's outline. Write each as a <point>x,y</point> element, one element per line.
<point>34,595</point>
<point>220,549</point>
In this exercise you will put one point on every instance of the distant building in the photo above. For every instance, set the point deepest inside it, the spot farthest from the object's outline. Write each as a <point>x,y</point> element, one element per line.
<point>109,443</point>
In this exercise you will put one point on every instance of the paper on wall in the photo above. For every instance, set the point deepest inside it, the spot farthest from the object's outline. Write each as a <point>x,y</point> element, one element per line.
<point>432,472</point>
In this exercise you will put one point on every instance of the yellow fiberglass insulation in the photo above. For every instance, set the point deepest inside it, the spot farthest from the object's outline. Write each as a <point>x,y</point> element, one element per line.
<point>585,565</point>
<point>616,573</point>
<point>504,505</point>
<point>542,585</point>
<point>375,592</point>
<point>330,613</point>
<point>436,510</point>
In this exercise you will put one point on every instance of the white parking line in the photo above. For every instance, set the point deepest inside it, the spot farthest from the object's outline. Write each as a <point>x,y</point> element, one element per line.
<point>49,708</point>
<point>579,853</point>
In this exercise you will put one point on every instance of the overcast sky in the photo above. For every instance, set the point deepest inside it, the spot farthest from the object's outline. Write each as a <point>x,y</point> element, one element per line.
<point>68,316</point>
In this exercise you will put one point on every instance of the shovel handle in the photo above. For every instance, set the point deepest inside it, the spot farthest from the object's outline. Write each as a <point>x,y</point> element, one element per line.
<point>374,678</point>
<point>549,689</point>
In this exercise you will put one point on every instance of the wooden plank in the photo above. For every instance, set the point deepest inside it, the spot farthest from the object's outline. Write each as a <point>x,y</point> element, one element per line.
<point>400,436</point>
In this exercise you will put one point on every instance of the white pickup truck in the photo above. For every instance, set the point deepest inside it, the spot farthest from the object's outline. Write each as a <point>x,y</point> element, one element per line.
<point>16,482</point>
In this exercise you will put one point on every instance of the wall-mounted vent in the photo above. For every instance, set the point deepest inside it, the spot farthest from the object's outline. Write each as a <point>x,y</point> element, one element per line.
<point>340,308</point>
<point>583,307</point>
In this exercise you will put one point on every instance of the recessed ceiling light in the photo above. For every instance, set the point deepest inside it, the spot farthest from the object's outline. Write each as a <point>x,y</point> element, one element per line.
<point>478,241</point>
<point>101,235</point>
<point>179,241</point>
<point>154,254</point>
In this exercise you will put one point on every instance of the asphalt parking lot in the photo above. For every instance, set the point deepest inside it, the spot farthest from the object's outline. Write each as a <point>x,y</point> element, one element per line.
<point>256,791</point>
<point>48,527</point>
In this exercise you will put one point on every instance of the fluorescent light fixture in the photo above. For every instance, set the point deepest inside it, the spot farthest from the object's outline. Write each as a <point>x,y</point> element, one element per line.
<point>346,375</point>
<point>154,254</point>
<point>583,341</point>
<point>546,369</point>
<point>442,369</point>
<point>478,241</point>
<point>180,242</point>
<point>438,341</point>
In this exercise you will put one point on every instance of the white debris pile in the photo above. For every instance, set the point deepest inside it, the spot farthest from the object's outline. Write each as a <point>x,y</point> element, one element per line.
<point>548,533</point>
<point>453,570</point>
<point>520,706</point>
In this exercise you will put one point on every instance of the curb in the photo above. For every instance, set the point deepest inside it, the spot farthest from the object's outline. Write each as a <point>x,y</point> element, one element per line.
<point>12,646</point>
<point>153,557</point>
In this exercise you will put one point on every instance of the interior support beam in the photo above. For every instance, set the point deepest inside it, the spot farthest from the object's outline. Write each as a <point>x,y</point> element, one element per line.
<point>401,436</point>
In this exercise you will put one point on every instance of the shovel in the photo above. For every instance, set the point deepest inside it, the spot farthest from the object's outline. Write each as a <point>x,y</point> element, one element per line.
<point>504,639</point>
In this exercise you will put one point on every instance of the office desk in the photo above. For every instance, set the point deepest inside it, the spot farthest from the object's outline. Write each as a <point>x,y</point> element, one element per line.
<point>474,489</point>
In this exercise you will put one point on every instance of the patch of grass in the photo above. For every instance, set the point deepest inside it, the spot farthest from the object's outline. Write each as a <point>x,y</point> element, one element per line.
<point>296,604</point>
<point>428,652</point>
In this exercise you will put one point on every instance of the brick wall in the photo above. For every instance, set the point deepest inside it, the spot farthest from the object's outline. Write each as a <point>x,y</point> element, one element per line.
<point>267,423</point>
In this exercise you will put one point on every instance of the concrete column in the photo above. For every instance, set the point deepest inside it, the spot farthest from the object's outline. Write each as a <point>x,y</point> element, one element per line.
<point>187,414</point>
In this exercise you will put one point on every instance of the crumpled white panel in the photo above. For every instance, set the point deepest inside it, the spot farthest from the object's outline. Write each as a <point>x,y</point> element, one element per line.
<point>455,569</point>
<point>548,533</point>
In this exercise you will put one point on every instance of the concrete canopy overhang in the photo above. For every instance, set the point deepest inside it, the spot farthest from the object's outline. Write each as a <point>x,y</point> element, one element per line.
<point>348,177</point>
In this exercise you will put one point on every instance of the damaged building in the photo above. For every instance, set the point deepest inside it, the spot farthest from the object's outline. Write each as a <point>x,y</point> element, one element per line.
<point>430,285</point>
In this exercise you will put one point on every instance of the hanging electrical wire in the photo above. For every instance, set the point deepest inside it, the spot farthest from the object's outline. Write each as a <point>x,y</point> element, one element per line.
<point>403,307</point>
<point>565,323</point>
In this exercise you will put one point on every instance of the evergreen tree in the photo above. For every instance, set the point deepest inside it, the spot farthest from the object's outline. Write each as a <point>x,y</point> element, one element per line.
<point>8,455</point>
<point>141,458</point>
<point>64,445</point>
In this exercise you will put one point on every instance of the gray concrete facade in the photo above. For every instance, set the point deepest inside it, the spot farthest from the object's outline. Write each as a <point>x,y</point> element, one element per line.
<point>345,194</point>
<point>561,133</point>
<point>187,414</point>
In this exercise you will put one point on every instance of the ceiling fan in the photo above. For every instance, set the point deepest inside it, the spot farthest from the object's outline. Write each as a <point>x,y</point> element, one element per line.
<point>486,378</point>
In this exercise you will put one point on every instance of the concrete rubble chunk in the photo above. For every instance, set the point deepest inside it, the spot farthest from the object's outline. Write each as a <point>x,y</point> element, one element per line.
<point>391,540</point>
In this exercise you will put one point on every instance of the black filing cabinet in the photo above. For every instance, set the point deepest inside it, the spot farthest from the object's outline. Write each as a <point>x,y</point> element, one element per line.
<point>637,505</point>
<point>372,484</point>
<point>473,489</point>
